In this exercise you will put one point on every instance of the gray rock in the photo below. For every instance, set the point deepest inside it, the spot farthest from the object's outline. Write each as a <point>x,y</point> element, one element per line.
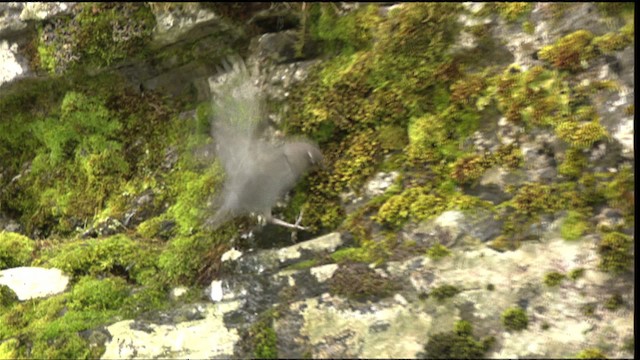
<point>10,22</point>
<point>45,10</point>
<point>455,227</point>
<point>9,225</point>
<point>174,21</point>
<point>106,227</point>
<point>12,65</point>
<point>204,336</point>
<point>34,282</point>
<point>539,157</point>
<point>380,183</point>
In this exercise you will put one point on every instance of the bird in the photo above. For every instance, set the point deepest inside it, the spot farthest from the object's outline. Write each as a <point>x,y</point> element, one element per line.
<point>258,171</point>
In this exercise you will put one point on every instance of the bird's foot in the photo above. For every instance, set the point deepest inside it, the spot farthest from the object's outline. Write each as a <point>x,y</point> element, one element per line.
<point>295,226</point>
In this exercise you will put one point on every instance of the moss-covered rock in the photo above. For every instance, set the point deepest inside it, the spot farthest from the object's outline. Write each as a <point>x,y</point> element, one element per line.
<point>15,250</point>
<point>457,344</point>
<point>570,52</point>
<point>615,251</point>
<point>553,278</point>
<point>515,318</point>
<point>359,282</point>
<point>117,255</point>
<point>97,35</point>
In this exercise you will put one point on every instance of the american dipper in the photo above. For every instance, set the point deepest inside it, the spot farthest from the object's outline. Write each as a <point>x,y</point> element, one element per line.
<point>258,172</point>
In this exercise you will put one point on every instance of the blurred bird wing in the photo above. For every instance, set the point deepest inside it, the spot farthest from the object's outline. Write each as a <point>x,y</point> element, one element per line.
<point>237,99</point>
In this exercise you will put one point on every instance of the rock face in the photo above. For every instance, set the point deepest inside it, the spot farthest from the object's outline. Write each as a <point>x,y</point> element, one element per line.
<point>478,190</point>
<point>202,336</point>
<point>34,282</point>
<point>312,320</point>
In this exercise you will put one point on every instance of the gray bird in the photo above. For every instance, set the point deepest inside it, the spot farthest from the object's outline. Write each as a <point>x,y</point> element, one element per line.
<point>258,172</point>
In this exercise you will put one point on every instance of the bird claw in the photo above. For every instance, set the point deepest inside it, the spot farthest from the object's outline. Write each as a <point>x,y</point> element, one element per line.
<point>299,220</point>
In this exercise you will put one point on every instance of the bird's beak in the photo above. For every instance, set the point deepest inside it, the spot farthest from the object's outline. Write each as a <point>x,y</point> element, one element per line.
<point>316,159</point>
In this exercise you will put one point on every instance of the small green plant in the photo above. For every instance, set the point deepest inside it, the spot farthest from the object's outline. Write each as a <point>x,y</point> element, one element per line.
<point>359,282</point>
<point>614,302</point>
<point>263,336</point>
<point>615,252</point>
<point>570,52</point>
<point>15,250</point>
<point>588,309</point>
<point>491,287</point>
<point>457,344</point>
<point>443,292</point>
<point>7,297</point>
<point>552,279</point>
<point>515,318</point>
<point>573,226</point>
<point>438,251</point>
<point>575,274</point>
<point>305,264</point>
<point>591,353</point>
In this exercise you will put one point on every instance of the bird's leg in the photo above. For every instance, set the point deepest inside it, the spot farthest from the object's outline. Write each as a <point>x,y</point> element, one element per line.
<point>299,219</point>
<point>295,226</point>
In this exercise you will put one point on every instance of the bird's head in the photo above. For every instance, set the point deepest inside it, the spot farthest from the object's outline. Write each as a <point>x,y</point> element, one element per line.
<point>303,155</point>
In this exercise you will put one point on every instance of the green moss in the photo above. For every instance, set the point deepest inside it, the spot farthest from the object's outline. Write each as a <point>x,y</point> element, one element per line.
<point>515,319</point>
<point>154,227</point>
<point>15,250</point>
<point>47,329</point>
<point>82,157</point>
<point>534,199</point>
<point>264,339</point>
<point>192,189</point>
<point>614,8</point>
<point>342,32</point>
<point>614,302</point>
<point>99,295</point>
<point>469,169</point>
<point>302,265</point>
<point>573,226</point>
<point>347,97</point>
<point>9,349</point>
<point>528,27</point>
<point>615,252</point>
<point>553,279</point>
<point>116,255</point>
<point>415,203</point>
<point>443,292</point>
<point>359,282</point>
<point>591,353</point>
<point>575,274</point>
<point>438,251</point>
<point>619,190</point>
<point>98,35</point>
<point>629,345</point>
<point>187,258</point>
<point>575,161</point>
<point>351,255</point>
<point>570,52</point>
<point>504,243</point>
<point>512,11</point>
<point>581,135</point>
<point>7,297</point>
<point>457,344</point>
<point>392,137</point>
<point>611,42</point>
<point>588,310</point>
